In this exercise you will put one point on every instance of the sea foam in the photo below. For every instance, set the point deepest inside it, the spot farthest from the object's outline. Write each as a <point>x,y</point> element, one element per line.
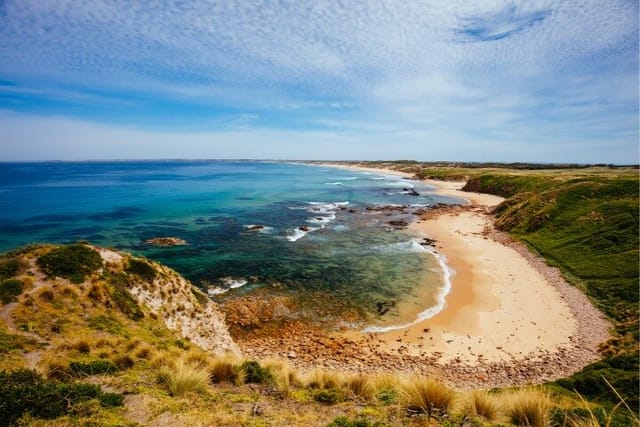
<point>441,296</point>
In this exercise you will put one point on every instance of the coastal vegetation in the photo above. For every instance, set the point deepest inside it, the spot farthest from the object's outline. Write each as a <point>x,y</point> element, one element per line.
<point>84,338</point>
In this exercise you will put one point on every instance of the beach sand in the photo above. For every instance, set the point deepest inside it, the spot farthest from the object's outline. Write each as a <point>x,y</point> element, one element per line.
<point>504,304</point>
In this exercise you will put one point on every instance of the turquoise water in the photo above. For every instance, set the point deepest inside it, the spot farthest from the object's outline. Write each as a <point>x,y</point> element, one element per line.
<point>347,252</point>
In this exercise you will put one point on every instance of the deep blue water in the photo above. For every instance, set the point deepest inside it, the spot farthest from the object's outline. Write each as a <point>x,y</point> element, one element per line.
<point>347,253</point>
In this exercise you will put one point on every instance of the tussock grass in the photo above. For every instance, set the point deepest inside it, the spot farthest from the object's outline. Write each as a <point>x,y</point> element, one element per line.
<point>529,408</point>
<point>320,379</point>
<point>483,404</point>
<point>360,385</point>
<point>82,346</point>
<point>285,377</point>
<point>197,358</point>
<point>426,396</point>
<point>183,378</point>
<point>145,352</point>
<point>224,369</point>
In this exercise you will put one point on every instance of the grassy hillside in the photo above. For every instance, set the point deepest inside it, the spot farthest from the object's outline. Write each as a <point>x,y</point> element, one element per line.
<point>78,347</point>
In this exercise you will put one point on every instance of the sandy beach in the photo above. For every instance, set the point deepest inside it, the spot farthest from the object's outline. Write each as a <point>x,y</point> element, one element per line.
<point>509,318</point>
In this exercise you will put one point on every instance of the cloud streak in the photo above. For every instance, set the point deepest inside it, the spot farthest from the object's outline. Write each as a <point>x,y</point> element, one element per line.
<point>462,72</point>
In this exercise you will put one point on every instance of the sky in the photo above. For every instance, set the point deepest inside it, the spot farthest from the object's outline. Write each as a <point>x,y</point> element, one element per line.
<point>457,80</point>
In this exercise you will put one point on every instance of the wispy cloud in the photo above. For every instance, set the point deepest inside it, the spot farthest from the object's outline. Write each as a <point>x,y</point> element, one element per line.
<point>455,71</point>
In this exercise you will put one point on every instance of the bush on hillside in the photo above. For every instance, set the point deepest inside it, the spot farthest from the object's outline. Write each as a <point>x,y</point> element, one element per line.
<point>121,297</point>
<point>9,268</point>
<point>9,290</point>
<point>73,262</point>
<point>25,392</point>
<point>142,269</point>
<point>94,367</point>
<point>254,373</point>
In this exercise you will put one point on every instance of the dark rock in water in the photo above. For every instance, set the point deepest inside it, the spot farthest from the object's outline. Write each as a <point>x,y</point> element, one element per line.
<point>352,211</point>
<point>412,192</point>
<point>303,228</point>
<point>166,241</point>
<point>254,228</point>
<point>427,242</point>
<point>386,208</point>
<point>384,306</point>
<point>398,223</point>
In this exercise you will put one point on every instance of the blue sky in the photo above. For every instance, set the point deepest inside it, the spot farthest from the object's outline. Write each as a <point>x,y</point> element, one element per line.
<point>547,81</point>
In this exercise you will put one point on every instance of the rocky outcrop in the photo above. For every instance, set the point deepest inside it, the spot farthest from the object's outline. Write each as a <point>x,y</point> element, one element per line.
<point>182,307</point>
<point>165,242</point>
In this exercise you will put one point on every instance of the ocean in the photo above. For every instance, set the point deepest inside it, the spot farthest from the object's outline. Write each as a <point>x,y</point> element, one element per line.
<point>320,230</point>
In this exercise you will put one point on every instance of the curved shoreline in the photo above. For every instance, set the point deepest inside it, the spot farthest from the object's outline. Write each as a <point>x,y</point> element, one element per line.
<point>509,319</point>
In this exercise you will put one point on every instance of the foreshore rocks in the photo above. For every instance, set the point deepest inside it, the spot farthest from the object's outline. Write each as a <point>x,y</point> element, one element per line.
<point>166,242</point>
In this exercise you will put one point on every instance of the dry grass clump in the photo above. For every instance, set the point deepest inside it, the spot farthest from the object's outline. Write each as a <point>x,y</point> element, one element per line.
<point>529,408</point>
<point>144,353</point>
<point>483,404</point>
<point>124,361</point>
<point>426,396</point>
<point>183,378</point>
<point>284,375</point>
<point>82,346</point>
<point>161,360</point>
<point>321,379</point>
<point>224,368</point>
<point>360,385</point>
<point>197,358</point>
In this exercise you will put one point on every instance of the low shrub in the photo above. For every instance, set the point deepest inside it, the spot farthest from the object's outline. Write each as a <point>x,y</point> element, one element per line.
<point>73,262</point>
<point>26,392</point>
<point>119,294</point>
<point>256,374</point>
<point>346,422</point>
<point>387,396</point>
<point>9,290</point>
<point>94,367</point>
<point>124,362</point>
<point>142,269</point>
<point>329,396</point>
<point>82,346</point>
<point>9,268</point>
<point>106,324</point>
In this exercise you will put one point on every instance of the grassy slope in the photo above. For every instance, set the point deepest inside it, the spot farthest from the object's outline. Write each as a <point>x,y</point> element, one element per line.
<point>88,330</point>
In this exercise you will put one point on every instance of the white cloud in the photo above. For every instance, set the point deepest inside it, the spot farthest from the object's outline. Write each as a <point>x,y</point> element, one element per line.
<point>451,69</point>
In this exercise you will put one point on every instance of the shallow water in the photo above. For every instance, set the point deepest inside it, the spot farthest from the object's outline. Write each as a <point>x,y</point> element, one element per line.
<point>343,250</point>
